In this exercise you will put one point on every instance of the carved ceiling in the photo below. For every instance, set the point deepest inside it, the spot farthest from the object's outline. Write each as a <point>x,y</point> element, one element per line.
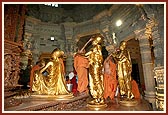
<point>65,12</point>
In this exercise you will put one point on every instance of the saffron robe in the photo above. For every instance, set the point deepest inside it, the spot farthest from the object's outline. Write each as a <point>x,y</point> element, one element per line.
<point>135,89</point>
<point>81,64</point>
<point>110,81</point>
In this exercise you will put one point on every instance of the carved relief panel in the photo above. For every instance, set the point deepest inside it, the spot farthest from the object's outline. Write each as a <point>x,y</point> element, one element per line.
<point>13,29</point>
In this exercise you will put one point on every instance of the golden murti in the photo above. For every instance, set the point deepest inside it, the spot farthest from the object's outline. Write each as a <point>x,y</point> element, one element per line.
<point>95,73</point>
<point>124,69</point>
<point>54,83</point>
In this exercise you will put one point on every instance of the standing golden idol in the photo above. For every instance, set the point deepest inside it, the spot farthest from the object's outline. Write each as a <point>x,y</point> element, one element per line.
<point>95,74</point>
<point>124,69</point>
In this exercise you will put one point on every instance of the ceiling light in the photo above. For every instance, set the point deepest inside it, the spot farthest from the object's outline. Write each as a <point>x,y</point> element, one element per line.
<point>118,23</point>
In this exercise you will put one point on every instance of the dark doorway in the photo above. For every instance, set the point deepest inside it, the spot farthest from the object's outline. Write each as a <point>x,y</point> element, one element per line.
<point>135,73</point>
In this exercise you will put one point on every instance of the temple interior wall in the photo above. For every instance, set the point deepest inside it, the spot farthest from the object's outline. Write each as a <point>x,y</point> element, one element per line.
<point>69,27</point>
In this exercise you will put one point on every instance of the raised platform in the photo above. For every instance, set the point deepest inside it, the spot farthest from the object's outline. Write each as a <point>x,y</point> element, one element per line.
<point>23,100</point>
<point>78,103</point>
<point>33,103</point>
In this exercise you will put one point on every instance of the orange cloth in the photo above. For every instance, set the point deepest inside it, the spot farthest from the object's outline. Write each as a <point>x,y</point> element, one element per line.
<point>81,64</point>
<point>34,68</point>
<point>110,81</point>
<point>135,89</point>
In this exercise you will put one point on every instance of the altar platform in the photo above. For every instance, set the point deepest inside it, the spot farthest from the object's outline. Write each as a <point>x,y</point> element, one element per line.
<point>78,103</point>
<point>35,103</point>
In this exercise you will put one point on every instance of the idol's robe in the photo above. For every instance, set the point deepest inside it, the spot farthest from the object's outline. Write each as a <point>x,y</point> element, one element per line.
<point>34,68</point>
<point>63,67</point>
<point>52,84</point>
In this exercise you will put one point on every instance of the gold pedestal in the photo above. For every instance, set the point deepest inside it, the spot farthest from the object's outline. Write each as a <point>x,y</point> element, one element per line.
<point>128,102</point>
<point>96,106</point>
<point>64,97</point>
<point>53,97</point>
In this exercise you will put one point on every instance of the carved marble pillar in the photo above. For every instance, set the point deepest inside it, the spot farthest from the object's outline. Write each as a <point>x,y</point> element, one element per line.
<point>69,55</point>
<point>159,67</point>
<point>69,64</point>
<point>110,40</point>
<point>27,53</point>
<point>158,44</point>
<point>148,65</point>
<point>70,45</point>
<point>35,48</point>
